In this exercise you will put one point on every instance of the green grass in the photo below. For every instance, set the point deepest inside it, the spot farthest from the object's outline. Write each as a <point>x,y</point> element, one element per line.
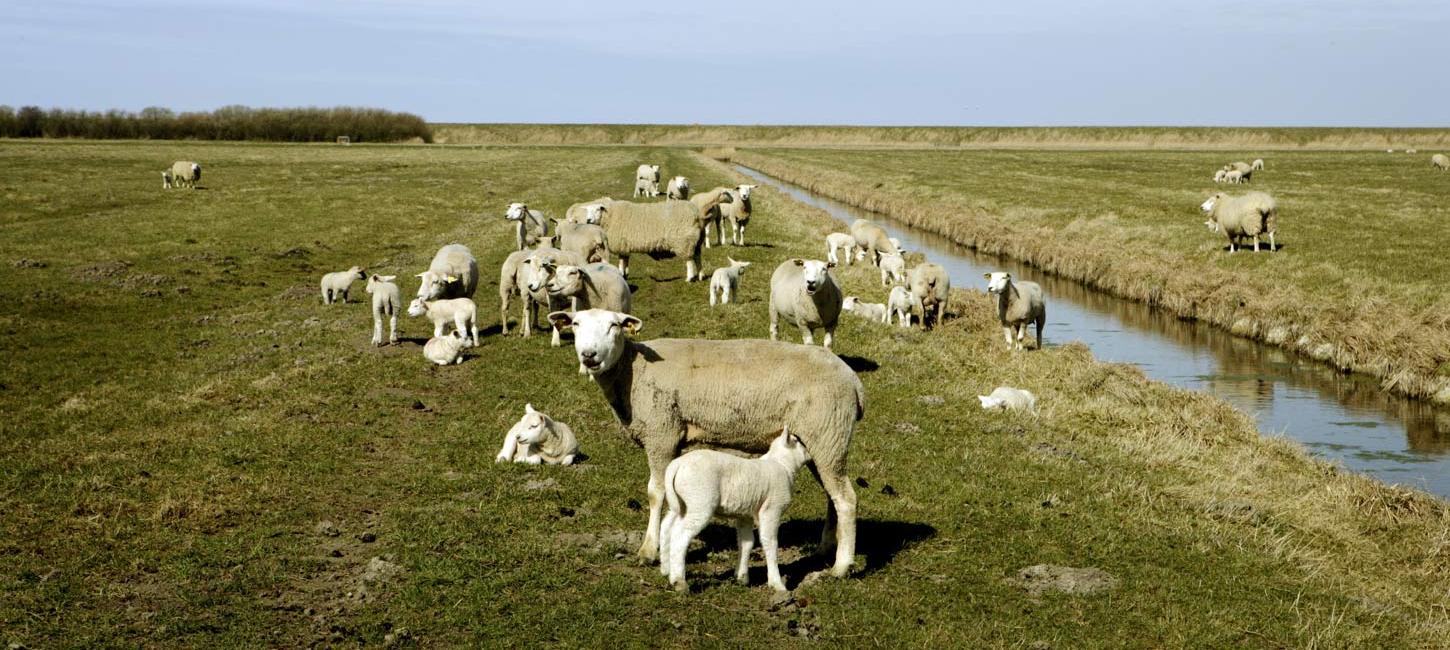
<point>182,413</point>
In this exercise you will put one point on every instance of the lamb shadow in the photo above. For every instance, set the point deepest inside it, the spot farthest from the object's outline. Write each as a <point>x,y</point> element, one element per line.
<point>859,364</point>
<point>1262,245</point>
<point>416,340</point>
<point>878,540</point>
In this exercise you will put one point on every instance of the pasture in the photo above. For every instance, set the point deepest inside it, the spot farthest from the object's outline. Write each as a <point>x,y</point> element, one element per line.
<point>197,453</point>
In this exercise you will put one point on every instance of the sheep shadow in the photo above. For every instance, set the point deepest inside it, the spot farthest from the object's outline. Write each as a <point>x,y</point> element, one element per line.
<point>1262,245</point>
<point>880,541</point>
<point>859,364</point>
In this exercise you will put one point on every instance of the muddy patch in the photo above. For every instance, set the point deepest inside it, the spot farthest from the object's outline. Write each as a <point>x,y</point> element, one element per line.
<point>1048,450</point>
<point>1041,579</point>
<point>614,541</point>
<point>24,263</point>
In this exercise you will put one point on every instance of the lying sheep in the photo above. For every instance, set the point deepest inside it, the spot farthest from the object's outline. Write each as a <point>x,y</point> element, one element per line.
<point>1257,165</point>
<point>930,287</point>
<point>387,299</point>
<point>1009,399</point>
<point>671,228</point>
<point>647,181</point>
<point>459,311</point>
<point>529,225</point>
<point>1412,151</point>
<point>1250,215</point>
<point>803,293</point>
<point>678,188</point>
<point>748,492</point>
<point>1018,303</point>
<point>899,304</point>
<point>893,269</point>
<point>725,280</point>
<point>1440,162</point>
<point>538,439</point>
<point>710,204</point>
<point>843,242</point>
<point>445,350</point>
<point>868,310</point>
<point>335,286</point>
<point>871,239</point>
<point>586,240</point>
<point>453,273</point>
<point>737,212</point>
<point>734,394</point>
<point>185,173</point>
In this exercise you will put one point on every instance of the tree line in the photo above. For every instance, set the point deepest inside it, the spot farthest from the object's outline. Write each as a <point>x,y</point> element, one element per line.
<point>226,123</point>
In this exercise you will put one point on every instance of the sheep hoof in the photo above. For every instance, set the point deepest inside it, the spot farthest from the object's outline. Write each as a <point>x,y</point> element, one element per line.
<point>682,586</point>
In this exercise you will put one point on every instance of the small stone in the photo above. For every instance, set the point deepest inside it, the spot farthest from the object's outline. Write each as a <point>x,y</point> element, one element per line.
<point>335,553</point>
<point>634,504</point>
<point>327,529</point>
<point>907,427</point>
<point>544,484</point>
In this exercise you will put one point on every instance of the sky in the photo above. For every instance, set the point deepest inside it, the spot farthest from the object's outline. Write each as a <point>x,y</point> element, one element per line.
<point>902,62</point>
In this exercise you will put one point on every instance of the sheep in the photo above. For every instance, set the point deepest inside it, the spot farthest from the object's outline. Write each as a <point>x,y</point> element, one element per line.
<point>539,439</point>
<point>930,287</point>
<point>678,188</point>
<point>710,204</point>
<point>1233,177</point>
<point>841,241</point>
<point>185,173</point>
<point>647,181</point>
<point>166,179</point>
<point>510,281</point>
<point>871,239</point>
<point>1412,151</point>
<point>592,286</point>
<point>1250,215</point>
<point>802,292</point>
<point>1018,303</point>
<point>1440,162</point>
<point>534,276</point>
<point>896,243</point>
<point>738,212</point>
<point>749,492</point>
<point>725,280</point>
<point>453,273</point>
<point>445,350</point>
<point>893,269</point>
<point>735,394</point>
<point>669,228</point>
<point>529,225</point>
<point>899,304</point>
<point>1009,399</point>
<point>387,298</point>
<point>586,240</point>
<point>335,286</point>
<point>1219,176</point>
<point>1241,166</point>
<point>579,212</point>
<point>460,311</point>
<point>867,310</point>
<point>1257,165</point>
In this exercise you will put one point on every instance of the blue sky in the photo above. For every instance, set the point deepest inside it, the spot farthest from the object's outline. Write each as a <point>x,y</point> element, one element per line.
<point>1026,62</point>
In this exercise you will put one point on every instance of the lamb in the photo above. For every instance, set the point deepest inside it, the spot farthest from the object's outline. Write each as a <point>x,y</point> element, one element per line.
<point>734,394</point>
<point>460,311</point>
<point>586,240</point>
<point>725,280</point>
<point>738,212</point>
<point>534,276</point>
<point>1009,399</point>
<point>899,304</point>
<point>335,286</point>
<point>1250,215</point>
<point>803,292</point>
<point>841,241</point>
<point>647,181</point>
<point>166,179</point>
<point>580,212</point>
<point>893,269</point>
<point>538,439</point>
<point>868,310</point>
<point>930,287</point>
<point>678,188</point>
<point>1018,303</point>
<point>668,228</point>
<point>387,298</point>
<point>445,350</point>
<point>453,273</point>
<point>1233,177</point>
<point>185,173</point>
<point>749,492</point>
<point>1257,165</point>
<point>1220,175</point>
<point>710,204</point>
<point>529,225</point>
<point>872,240</point>
<point>1440,162</point>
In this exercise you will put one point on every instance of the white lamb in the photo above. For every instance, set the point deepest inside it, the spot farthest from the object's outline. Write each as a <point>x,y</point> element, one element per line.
<point>460,311</point>
<point>899,304</point>
<point>893,269</point>
<point>387,299</point>
<point>538,439</point>
<point>445,350</point>
<point>725,280</point>
<point>751,493</point>
<point>679,188</point>
<point>868,310</point>
<point>336,285</point>
<point>1009,399</point>
<point>842,241</point>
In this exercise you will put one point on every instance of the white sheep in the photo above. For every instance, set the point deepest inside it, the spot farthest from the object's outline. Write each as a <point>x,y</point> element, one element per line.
<point>335,286</point>
<point>647,181</point>
<point>732,394</point>
<point>586,240</point>
<point>538,270</point>
<point>459,311</point>
<point>803,293</point>
<point>538,439</point>
<point>737,212</point>
<point>840,241</point>
<point>529,225</point>
<point>580,212</point>
<point>671,228</point>
<point>1412,151</point>
<point>710,203</point>
<point>1250,215</point>
<point>874,311</point>
<point>445,350</point>
<point>592,286</point>
<point>1233,177</point>
<point>678,188</point>
<point>893,268</point>
<point>185,173</point>
<point>1220,175</point>
<point>510,283</point>
<point>747,492</point>
<point>899,304</point>
<point>166,179</point>
<point>1009,399</point>
<point>726,280</point>
<point>930,288</point>
<point>1440,161</point>
<point>387,300</point>
<point>1257,165</point>
<point>1018,303</point>
<point>872,240</point>
<point>453,273</point>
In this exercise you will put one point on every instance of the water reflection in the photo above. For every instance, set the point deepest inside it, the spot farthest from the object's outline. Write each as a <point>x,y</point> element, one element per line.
<point>1344,417</point>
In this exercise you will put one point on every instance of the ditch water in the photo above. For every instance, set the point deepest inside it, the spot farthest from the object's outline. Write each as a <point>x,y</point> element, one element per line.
<point>1342,417</point>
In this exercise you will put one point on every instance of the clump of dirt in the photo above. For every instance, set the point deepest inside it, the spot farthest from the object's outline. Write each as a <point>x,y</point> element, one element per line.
<point>1048,450</point>
<point>616,540</point>
<point>298,292</point>
<point>931,400</point>
<point>24,263</point>
<point>296,252</point>
<point>545,484</point>
<point>1241,512</point>
<point>102,271</point>
<point>1040,579</point>
<point>907,427</point>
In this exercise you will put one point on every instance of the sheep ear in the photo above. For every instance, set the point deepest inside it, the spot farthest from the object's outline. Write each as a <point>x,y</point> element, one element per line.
<point>631,324</point>
<point>386,278</point>
<point>799,262</point>
<point>830,265</point>
<point>529,408</point>
<point>450,278</point>
<point>561,319</point>
<point>987,276</point>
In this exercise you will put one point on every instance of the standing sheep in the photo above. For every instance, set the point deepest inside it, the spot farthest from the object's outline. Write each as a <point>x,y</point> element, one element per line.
<point>335,286</point>
<point>738,212</point>
<point>803,293</point>
<point>725,280</point>
<point>899,304</point>
<point>387,299</point>
<point>534,277</point>
<point>453,273</point>
<point>893,269</point>
<point>445,350</point>
<point>1220,175</point>
<point>1257,165</point>
<point>665,229</point>
<point>679,188</point>
<point>580,212</point>
<point>592,286</point>
<point>586,240</point>
<point>930,287</point>
<point>185,173</point>
<point>1250,215</point>
<point>1233,177</point>
<point>511,280</point>
<point>1440,161</point>
<point>460,311</point>
<point>538,439</point>
<point>736,394</point>
<point>710,204</point>
<point>872,240</point>
<point>529,225</point>
<point>843,241</point>
<point>166,179</point>
<point>647,181</point>
<point>1018,303</point>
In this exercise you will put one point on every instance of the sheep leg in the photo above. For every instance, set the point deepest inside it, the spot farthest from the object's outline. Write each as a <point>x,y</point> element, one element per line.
<point>437,328</point>
<point>725,293</point>
<point>843,505</point>
<point>1256,243</point>
<point>667,535</point>
<point>742,236</point>
<point>624,265</point>
<point>326,296</point>
<point>660,448</point>
<point>1007,334</point>
<point>1271,241</point>
<point>770,543</point>
<point>377,330</point>
<point>344,296</point>
<point>830,336</point>
<point>806,337</point>
<point>473,330</point>
<point>1041,322</point>
<point>745,541</point>
<point>1021,329</point>
<point>554,341</point>
<point>393,328</point>
<point>774,327</point>
<point>687,527</point>
<point>526,315</point>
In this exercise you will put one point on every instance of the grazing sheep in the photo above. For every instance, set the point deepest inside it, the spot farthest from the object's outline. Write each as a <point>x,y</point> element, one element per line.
<point>1257,165</point>
<point>899,304</point>
<point>580,212</point>
<point>1009,399</point>
<point>647,181</point>
<point>1241,166</point>
<point>387,299</point>
<point>529,225</point>
<point>842,241</point>
<point>185,173</point>
<point>735,394</point>
<point>166,179</point>
<point>710,204</point>
<point>738,211</point>
<point>445,350</point>
<point>1250,215</point>
<point>663,229</point>
<point>930,287</point>
<point>678,188</point>
<point>538,439</point>
<point>748,492</point>
<point>1412,151</point>
<point>802,292</point>
<point>893,269</point>
<point>1220,175</point>
<point>335,286</point>
<point>1018,303</point>
<point>725,280</point>
<point>460,311</point>
<point>871,239</point>
<point>453,273</point>
<point>1440,162</point>
<point>1233,177</point>
<point>868,310</point>
<point>586,240</point>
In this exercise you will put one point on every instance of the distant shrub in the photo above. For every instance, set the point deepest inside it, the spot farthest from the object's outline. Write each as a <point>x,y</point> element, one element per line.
<point>226,123</point>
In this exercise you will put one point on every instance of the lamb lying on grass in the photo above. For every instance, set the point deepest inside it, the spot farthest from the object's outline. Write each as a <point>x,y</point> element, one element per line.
<point>538,439</point>
<point>1009,399</point>
<point>336,285</point>
<point>387,299</point>
<point>726,280</point>
<point>747,492</point>
<point>867,310</point>
<point>461,311</point>
<point>445,350</point>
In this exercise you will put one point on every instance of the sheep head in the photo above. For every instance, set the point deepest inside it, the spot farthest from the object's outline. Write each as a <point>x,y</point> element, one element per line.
<point>599,336</point>
<point>1207,206</point>
<point>566,281</point>
<point>744,190</point>
<point>788,450</point>
<point>594,213</point>
<point>532,426</point>
<point>516,212</point>
<point>541,269</point>
<point>418,307</point>
<point>814,273</point>
<point>998,282</point>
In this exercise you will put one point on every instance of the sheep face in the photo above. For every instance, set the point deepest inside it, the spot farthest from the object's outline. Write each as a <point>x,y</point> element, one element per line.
<point>566,281</point>
<point>1207,206</point>
<point>997,282</point>
<point>516,212</point>
<point>594,213</point>
<point>849,304</point>
<point>418,307</point>
<point>540,271</point>
<point>531,429</point>
<point>598,336</point>
<point>432,285</point>
<point>682,182</point>
<point>788,449</point>
<point>814,273</point>
<point>989,403</point>
<point>357,272</point>
<point>744,191</point>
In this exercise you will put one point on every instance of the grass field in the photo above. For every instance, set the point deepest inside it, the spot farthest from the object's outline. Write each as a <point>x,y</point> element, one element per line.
<point>197,453</point>
<point>1359,281</point>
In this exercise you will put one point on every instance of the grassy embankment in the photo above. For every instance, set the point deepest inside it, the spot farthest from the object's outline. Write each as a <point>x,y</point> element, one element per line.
<point>183,415</point>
